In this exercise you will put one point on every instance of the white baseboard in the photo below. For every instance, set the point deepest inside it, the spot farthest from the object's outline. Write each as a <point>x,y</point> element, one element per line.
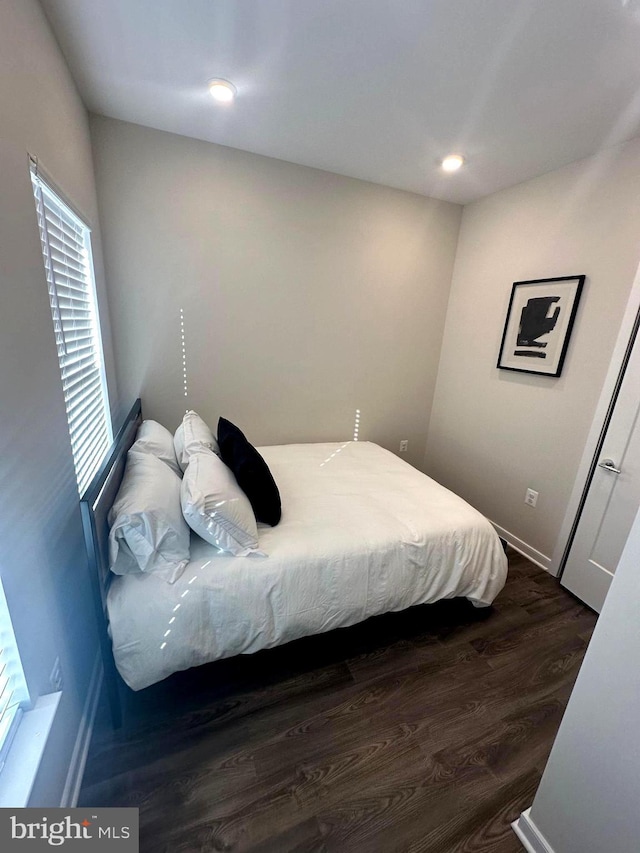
<point>530,836</point>
<point>525,549</point>
<point>83,738</point>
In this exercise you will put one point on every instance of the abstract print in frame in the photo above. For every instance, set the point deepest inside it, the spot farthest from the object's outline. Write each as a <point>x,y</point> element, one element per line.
<point>538,325</point>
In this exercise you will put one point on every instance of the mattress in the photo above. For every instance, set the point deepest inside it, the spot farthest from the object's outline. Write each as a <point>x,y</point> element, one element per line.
<point>362,533</point>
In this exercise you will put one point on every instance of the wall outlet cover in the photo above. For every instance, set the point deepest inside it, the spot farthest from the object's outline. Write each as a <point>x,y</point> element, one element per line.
<point>55,679</point>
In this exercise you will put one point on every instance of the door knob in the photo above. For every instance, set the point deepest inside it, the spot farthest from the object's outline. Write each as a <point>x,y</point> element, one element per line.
<point>608,465</point>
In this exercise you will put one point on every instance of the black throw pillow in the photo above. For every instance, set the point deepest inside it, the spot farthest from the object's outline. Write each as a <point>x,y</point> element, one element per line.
<point>251,472</point>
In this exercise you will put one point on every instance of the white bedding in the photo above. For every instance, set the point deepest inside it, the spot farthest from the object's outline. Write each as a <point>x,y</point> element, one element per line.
<point>362,533</point>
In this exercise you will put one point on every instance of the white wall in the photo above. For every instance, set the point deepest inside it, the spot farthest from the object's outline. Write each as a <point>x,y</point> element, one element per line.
<point>587,801</point>
<point>306,295</point>
<point>42,558</point>
<point>493,433</point>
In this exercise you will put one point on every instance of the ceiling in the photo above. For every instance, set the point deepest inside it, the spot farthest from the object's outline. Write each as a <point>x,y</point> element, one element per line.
<point>374,89</point>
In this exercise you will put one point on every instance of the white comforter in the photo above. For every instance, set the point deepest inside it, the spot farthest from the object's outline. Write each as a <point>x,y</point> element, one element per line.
<point>362,533</point>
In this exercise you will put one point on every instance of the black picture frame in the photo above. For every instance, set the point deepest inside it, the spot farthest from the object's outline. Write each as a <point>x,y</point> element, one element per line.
<point>539,323</point>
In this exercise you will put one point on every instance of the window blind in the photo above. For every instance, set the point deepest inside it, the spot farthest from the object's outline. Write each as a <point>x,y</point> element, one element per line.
<point>13,688</point>
<point>66,248</point>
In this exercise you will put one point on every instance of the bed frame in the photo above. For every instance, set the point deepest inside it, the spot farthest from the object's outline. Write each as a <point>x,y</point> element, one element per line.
<point>94,507</point>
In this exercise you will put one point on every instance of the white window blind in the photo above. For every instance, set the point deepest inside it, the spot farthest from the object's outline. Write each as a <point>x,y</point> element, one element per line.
<point>13,689</point>
<point>66,248</point>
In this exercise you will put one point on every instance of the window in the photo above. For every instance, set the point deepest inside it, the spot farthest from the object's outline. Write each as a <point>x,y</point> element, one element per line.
<point>13,689</point>
<point>66,248</point>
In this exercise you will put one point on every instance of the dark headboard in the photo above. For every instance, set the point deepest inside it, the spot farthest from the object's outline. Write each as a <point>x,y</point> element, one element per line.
<point>94,507</point>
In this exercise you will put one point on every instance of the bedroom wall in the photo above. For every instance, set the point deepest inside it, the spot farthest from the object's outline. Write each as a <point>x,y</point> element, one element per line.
<point>306,295</point>
<point>587,800</point>
<point>42,558</point>
<point>494,433</point>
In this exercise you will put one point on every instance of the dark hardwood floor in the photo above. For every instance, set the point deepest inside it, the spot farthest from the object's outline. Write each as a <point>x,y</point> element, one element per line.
<point>419,731</point>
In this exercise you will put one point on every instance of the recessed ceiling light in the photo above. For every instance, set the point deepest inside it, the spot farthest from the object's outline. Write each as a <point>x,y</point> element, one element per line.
<point>452,162</point>
<point>222,90</point>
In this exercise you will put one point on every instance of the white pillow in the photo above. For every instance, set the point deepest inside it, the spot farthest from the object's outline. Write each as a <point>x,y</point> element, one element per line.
<point>148,531</point>
<point>155,439</point>
<point>215,506</point>
<point>192,435</point>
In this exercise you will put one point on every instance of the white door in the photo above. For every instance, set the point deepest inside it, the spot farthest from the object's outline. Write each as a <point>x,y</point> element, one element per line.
<point>613,497</point>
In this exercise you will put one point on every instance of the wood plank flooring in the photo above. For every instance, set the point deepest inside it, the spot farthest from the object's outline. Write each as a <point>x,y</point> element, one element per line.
<point>418,732</point>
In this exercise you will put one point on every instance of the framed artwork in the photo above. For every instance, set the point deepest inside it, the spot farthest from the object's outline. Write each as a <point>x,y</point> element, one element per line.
<point>538,325</point>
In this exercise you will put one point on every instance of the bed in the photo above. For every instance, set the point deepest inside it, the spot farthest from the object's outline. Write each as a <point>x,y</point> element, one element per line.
<point>362,533</point>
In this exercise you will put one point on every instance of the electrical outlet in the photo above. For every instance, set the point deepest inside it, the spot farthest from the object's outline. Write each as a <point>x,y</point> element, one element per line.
<point>404,445</point>
<point>531,497</point>
<point>55,679</point>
